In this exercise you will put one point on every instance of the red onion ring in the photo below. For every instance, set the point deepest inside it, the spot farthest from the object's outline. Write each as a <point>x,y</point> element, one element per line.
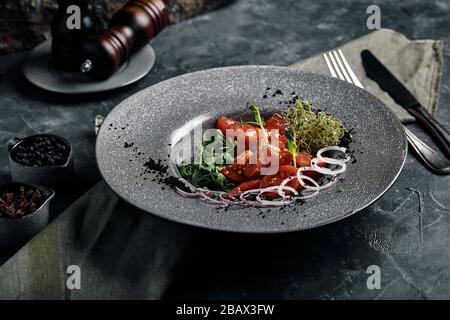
<point>218,197</point>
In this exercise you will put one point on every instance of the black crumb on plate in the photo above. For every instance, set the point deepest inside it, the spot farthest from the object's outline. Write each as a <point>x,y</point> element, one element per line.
<point>346,139</point>
<point>156,165</point>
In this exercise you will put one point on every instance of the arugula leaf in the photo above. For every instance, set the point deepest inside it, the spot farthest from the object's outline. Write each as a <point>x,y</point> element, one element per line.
<point>204,178</point>
<point>207,174</point>
<point>222,182</point>
<point>186,170</point>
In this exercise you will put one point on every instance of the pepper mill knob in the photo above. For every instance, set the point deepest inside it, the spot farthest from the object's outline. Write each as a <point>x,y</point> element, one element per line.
<point>131,28</point>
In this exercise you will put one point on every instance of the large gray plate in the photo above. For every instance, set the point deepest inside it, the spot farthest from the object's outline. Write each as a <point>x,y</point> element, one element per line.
<point>155,112</point>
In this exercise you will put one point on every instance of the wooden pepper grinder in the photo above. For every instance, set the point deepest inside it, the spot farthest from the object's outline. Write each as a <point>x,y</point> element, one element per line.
<point>66,41</point>
<point>130,29</point>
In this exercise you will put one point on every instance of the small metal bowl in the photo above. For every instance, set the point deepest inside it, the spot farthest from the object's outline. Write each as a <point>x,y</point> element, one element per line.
<point>53,176</point>
<point>15,232</point>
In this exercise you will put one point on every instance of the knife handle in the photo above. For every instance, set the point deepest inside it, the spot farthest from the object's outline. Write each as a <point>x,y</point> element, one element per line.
<point>437,129</point>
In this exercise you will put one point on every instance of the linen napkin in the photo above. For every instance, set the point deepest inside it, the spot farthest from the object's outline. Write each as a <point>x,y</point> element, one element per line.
<point>124,253</point>
<point>417,64</point>
<point>121,252</point>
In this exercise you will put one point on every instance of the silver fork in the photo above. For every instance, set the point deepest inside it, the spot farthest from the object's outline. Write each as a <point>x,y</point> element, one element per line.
<point>339,68</point>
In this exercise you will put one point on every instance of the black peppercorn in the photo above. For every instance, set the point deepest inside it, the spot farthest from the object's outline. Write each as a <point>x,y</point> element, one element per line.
<point>41,151</point>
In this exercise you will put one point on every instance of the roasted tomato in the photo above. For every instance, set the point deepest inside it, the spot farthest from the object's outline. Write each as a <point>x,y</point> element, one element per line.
<point>244,157</point>
<point>284,172</point>
<point>253,170</point>
<point>244,186</point>
<point>234,172</point>
<point>237,171</point>
<point>249,131</point>
<point>275,122</point>
<point>303,159</point>
<point>224,123</point>
<point>248,166</point>
<point>285,157</point>
<point>282,141</point>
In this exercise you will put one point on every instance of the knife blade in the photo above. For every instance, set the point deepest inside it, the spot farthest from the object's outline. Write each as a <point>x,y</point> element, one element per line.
<point>389,83</point>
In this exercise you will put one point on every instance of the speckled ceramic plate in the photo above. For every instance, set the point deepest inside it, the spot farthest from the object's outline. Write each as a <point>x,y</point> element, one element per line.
<point>39,71</point>
<point>148,123</point>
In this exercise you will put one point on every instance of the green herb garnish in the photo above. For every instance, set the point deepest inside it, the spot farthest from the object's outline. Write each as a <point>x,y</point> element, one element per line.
<point>313,129</point>
<point>255,110</point>
<point>205,172</point>
<point>260,122</point>
<point>291,143</point>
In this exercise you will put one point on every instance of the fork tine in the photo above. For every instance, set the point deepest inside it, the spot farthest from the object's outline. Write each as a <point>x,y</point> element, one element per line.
<point>344,72</point>
<point>330,68</point>
<point>349,70</point>
<point>336,66</point>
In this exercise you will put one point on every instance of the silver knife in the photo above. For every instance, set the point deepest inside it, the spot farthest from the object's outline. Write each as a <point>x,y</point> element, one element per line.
<point>389,83</point>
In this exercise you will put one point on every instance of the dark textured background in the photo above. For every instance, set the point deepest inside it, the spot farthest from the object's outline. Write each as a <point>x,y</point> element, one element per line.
<point>406,232</point>
<point>24,23</point>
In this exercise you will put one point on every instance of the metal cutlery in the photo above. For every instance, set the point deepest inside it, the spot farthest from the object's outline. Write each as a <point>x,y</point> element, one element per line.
<point>339,68</point>
<point>389,83</point>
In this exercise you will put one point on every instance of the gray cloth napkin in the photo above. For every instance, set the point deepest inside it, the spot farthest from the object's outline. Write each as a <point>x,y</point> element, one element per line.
<point>124,253</point>
<point>417,64</point>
